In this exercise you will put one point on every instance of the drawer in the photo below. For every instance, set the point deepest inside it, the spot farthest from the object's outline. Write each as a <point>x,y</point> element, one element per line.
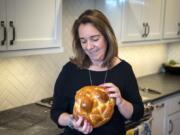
<point>173,104</point>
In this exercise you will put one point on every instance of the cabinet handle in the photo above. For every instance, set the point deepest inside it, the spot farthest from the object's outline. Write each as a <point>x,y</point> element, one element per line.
<point>13,32</point>
<point>148,29</point>
<point>159,106</point>
<point>178,33</point>
<point>5,33</point>
<point>170,126</point>
<point>179,103</point>
<point>144,34</point>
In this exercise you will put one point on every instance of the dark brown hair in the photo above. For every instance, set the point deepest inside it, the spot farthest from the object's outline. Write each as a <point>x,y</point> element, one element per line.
<point>101,23</point>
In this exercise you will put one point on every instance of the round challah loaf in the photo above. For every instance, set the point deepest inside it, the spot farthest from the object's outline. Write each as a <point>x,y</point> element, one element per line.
<point>94,104</point>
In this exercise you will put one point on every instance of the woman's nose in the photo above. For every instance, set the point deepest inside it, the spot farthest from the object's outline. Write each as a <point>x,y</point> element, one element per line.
<point>89,45</point>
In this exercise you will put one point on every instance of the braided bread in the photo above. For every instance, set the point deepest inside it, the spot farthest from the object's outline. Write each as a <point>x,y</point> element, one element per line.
<point>94,104</point>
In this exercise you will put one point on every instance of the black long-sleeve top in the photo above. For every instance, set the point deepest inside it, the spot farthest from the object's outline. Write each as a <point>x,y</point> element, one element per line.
<point>73,78</point>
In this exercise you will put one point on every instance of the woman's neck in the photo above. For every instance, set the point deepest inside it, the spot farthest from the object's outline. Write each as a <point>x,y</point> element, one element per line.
<point>97,66</point>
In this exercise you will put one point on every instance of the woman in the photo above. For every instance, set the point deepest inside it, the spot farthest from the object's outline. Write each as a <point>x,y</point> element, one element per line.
<point>96,62</point>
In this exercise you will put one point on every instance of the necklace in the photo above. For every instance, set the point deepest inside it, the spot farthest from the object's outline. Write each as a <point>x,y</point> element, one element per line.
<point>90,78</point>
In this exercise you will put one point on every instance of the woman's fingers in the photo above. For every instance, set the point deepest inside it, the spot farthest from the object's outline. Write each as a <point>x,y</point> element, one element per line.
<point>87,128</point>
<point>113,92</point>
<point>106,85</point>
<point>78,122</point>
<point>114,95</point>
<point>83,125</point>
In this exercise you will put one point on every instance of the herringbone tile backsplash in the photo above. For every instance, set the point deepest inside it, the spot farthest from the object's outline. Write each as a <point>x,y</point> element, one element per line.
<point>28,79</point>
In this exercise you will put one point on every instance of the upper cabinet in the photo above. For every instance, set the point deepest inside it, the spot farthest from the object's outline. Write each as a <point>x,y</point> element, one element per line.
<point>141,20</point>
<point>30,24</point>
<point>3,30</point>
<point>172,20</point>
<point>112,10</point>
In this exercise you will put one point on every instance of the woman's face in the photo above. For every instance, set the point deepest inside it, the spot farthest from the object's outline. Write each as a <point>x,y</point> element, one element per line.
<point>92,42</point>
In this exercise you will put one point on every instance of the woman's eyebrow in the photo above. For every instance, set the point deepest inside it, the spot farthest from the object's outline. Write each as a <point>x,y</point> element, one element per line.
<point>97,35</point>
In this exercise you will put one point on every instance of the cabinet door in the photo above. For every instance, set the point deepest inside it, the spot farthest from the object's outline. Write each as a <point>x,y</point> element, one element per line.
<point>173,104</point>
<point>174,124</point>
<point>172,19</point>
<point>159,118</point>
<point>152,13</point>
<point>2,25</point>
<point>112,10</point>
<point>35,23</point>
<point>141,20</point>
<point>132,21</point>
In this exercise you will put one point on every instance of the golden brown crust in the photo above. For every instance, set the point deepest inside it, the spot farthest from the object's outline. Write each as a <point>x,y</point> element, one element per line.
<point>94,104</point>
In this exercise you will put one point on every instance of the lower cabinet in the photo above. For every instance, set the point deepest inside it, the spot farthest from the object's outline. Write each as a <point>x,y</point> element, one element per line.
<point>173,123</point>
<point>159,115</point>
<point>166,116</point>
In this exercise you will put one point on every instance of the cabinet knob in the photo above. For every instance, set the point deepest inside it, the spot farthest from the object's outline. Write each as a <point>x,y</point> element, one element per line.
<point>13,32</point>
<point>179,103</point>
<point>5,33</point>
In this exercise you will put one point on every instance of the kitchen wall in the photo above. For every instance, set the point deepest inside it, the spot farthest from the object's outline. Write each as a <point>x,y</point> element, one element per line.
<point>28,79</point>
<point>174,52</point>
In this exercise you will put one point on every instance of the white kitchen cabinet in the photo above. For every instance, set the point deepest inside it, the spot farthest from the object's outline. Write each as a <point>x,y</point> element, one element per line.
<point>173,116</point>
<point>159,118</point>
<point>30,24</point>
<point>142,20</point>
<point>166,116</point>
<point>173,124</point>
<point>172,20</point>
<point>2,25</point>
<point>112,10</point>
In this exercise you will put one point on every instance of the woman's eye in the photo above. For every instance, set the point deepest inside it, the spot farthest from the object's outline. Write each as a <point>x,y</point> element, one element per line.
<point>95,39</point>
<point>83,41</point>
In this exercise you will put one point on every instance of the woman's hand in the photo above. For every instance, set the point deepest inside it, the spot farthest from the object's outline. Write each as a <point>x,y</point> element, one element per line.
<point>114,92</point>
<point>82,125</point>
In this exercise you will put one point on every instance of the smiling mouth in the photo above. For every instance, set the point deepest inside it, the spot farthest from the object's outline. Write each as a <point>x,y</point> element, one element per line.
<point>93,51</point>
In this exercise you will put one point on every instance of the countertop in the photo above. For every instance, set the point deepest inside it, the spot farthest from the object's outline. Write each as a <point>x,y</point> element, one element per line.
<point>34,119</point>
<point>166,84</point>
<point>30,119</point>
